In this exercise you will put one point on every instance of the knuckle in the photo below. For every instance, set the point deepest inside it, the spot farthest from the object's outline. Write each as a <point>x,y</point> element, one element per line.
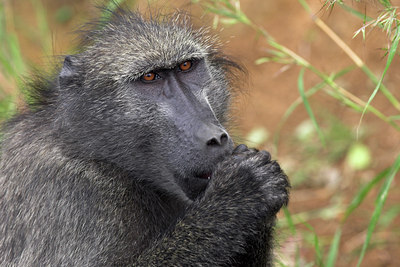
<point>240,149</point>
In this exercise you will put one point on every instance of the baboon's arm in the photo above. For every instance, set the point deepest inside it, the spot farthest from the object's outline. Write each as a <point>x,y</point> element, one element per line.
<point>211,235</point>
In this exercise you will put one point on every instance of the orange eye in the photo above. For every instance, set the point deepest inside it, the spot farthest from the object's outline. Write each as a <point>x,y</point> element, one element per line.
<point>185,65</point>
<point>151,76</point>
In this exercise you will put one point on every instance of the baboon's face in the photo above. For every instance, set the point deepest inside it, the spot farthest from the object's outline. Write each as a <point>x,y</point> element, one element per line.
<point>189,139</point>
<point>150,98</point>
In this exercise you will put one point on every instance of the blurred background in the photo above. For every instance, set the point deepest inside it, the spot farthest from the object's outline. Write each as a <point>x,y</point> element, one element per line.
<point>321,94</point>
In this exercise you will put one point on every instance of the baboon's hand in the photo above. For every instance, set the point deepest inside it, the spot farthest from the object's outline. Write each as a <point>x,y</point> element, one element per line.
<point>251,180</point>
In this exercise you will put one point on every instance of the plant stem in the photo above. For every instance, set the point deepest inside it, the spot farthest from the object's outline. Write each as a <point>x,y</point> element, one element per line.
<point>353,56</point>
<point>345,95</point>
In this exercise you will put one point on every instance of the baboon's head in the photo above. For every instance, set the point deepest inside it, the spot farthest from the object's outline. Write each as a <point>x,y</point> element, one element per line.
<point>149,96</point>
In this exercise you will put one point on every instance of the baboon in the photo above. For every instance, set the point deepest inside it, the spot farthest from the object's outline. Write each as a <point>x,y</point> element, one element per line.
<point>123,157</point>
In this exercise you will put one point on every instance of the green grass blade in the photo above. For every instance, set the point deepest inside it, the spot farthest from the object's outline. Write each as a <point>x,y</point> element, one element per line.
<point>305,6</point>
<point>300,84</point>
<point>392,52</point>
<point>289,220</point>
<point>333,251</point>
<point>226,3</point>
<point>379,205</point>
<point>308,93</point>
<point>11,59</point>
<point>7,107</point>
<point>385,3</point>
<point>360,196</point>
<point>395,117</point>
<point>317,247</point>
<point>111,6</point>
<point>15,55</point>
<point>334,93</point>
<point>238,15</point>
<point>355,58</point>
<point>393,100</point>
<point>355,12</point>
<point>6,66</point>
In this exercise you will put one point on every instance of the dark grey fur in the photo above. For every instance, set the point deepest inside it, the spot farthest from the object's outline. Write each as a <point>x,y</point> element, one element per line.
<point>106,169</point>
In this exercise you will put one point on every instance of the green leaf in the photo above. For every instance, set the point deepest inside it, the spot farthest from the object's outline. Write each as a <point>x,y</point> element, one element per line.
<point>289,220</point>
<point>378,208</point>
<point>228,21</point>
<point>7,107</point>
<point>308,93</point>
<point>317,247</point>
<point>111,6</point>
<point>355,12</point>
<point>392,52</point>
<point>300,84</point>
<point>363,192</point>
<point>385,3</point>
<point>262,60</point>
<point>333,251</point>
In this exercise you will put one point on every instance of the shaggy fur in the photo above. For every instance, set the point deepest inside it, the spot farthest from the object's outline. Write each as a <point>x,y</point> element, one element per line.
<point>105,169</point>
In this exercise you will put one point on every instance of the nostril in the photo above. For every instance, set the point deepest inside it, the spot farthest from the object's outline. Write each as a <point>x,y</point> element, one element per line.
<point>224,138</point>
<point>213,142</point>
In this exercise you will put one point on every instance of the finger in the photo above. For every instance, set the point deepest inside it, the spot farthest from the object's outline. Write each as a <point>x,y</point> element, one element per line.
<point>240,149</point>
<point>266,154</point>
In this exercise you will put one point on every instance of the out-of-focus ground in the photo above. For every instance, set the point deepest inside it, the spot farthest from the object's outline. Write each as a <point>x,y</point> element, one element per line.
<point>270,89</point>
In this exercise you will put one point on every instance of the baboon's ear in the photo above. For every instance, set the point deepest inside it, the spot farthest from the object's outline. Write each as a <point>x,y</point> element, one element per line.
<point>68,71</point>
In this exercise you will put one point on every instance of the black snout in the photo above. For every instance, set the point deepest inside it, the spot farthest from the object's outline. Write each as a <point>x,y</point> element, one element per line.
<point>213,136</point>
<point>220,139</point>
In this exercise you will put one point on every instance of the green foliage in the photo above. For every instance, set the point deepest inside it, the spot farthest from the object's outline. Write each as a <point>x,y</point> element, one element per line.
<point>362,193</point>
<point>11,64</point>
<point>7,107</point>
<point>300,84</point>
<point>392,52</point>
<point>333,252</point>
<point>381,199</point>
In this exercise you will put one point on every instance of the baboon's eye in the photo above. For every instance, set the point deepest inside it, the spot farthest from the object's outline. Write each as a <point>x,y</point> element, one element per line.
<point>151,76</point>
<point>185,65</point>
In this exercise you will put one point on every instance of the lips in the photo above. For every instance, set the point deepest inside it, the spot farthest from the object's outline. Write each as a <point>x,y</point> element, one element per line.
<point>204,175</point>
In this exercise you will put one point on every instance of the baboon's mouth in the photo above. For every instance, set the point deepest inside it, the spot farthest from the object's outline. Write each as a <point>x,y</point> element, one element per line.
<point>205,175</point>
